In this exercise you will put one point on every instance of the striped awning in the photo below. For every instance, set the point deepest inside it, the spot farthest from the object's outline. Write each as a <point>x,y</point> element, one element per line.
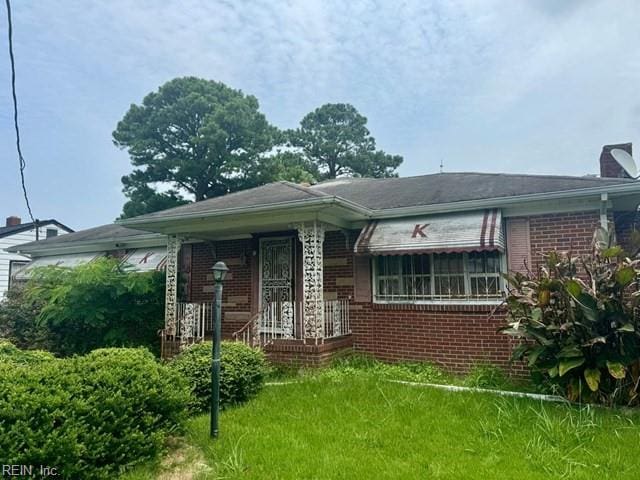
<point>146,259</point>
<point>456,232</point>
<point>71,260</point>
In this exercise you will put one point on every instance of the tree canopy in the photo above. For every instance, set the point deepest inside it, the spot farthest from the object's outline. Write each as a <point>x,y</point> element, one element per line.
<point>335,138</point>
<point>198,136</point>
<point>194,139</point>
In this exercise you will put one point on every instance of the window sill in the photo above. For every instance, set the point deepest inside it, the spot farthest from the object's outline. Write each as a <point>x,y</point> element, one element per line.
<point>442,306</point>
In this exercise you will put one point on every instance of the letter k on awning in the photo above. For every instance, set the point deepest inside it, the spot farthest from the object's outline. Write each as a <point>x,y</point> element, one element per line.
<point>456,232</point>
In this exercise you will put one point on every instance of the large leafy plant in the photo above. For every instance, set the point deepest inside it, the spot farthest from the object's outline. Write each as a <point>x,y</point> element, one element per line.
<point>99,304</point>
<point>578,322</point>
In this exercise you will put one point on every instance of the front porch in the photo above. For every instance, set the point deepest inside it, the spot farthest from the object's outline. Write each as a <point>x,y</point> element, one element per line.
<point>273,298</point>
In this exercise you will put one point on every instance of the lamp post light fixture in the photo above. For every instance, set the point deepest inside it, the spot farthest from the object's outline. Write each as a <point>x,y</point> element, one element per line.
<point>219,273</point>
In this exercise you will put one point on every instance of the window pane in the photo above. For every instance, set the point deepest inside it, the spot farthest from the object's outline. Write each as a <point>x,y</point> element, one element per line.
<point>493,262</point>
<point>421,264</point>
<point>476,262</point>
<point>449,286</point>
<point>447,263</point>
<point>493,285</point>
<point>407,264</point>
<point>388,287</point>
<point>417,286</point>
<point>484,262</point>
<point>485,286</point>
<point>391,265</point>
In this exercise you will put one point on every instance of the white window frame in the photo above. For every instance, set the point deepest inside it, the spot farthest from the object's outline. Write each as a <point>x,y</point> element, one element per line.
<point>467,300</point>
<point>13,269</point>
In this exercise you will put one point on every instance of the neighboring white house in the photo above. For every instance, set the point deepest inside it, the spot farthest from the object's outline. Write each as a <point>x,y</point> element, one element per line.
<point>16,233</point>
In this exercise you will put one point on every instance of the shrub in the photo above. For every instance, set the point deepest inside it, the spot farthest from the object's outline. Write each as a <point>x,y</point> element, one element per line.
<point>242,372</point>
<point>99,304</point>
<point>579,325</point>
<point>19,322</point>
<point>9,353</point>
<point>90,416</point>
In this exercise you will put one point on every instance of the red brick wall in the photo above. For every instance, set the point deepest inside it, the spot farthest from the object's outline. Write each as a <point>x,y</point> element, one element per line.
<point>338,264</point>
<point>608,166</point>
<point>237,292</point>
<point>452,336</point>
<point>562,231</point>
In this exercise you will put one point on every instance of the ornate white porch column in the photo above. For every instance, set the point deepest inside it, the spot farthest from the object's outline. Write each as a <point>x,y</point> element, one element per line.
<point>171,289</point>
<point>312,235</point>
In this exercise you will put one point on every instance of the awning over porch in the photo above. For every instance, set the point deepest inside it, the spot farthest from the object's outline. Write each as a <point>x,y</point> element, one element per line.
<point>456,232</point>
<point>146,259</point>
<point>71,260</point>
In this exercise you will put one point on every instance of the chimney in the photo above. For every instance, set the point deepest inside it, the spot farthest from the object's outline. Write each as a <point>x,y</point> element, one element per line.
<point>608,166</point>
<point>13,221</point>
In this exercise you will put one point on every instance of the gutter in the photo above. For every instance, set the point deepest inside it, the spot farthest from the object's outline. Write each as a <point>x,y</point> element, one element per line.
<point>504,201</point>
<point>320,201</point>
<point>151,239</point>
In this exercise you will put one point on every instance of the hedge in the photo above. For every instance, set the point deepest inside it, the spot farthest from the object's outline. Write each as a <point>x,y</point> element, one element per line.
<point>9,353</point>
<point>89,416</point>
<point>242,373</point>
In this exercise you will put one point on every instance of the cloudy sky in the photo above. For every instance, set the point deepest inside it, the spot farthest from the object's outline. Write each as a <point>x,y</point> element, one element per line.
<point>504,86</point>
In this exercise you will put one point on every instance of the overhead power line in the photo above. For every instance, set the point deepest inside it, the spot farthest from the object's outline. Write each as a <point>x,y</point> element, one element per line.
<point>22,162</point>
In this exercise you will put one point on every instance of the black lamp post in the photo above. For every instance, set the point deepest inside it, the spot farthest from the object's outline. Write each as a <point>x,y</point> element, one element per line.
<point>219,272</point>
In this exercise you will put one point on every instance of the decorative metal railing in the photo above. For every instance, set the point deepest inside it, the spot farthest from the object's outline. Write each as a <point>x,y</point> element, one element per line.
<point>248,334</point>
<point>336,318</point>
<point>193,320</point>
<point>285,321</point>
<point>276,321</point>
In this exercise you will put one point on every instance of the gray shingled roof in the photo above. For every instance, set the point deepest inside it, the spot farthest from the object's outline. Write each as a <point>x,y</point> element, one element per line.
<point>272,193</point>
<point>106,233</point>
<point>382,193</point>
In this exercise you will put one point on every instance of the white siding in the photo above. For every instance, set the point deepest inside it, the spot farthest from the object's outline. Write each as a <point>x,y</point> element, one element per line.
<point>18,239</point>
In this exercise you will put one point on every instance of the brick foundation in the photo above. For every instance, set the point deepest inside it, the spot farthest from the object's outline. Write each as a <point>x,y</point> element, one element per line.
<point>295,353</point>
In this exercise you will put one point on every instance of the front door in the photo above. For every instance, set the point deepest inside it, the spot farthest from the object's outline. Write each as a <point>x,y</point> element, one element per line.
<point>276,285</point>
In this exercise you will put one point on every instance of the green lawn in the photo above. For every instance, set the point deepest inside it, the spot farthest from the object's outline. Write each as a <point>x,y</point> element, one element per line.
<point>361,426</point>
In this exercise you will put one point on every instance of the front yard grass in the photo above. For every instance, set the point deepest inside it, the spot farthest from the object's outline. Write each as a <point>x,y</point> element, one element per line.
<point>362,426</point>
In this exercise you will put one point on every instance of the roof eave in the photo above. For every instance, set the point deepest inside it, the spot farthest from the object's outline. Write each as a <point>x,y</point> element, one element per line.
<point>141,222</point>
<point>494,202</point>
<point>145,240</point>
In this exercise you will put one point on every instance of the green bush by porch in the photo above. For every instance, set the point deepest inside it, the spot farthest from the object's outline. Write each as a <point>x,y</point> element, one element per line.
<point>242,373</point>
<point>75,310</point>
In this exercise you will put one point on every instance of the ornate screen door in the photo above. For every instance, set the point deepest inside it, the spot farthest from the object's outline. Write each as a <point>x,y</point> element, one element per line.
<point>276,283</point>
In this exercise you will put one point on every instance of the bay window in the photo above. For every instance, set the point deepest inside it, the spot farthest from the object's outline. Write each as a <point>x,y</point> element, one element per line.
<point>438,277</point>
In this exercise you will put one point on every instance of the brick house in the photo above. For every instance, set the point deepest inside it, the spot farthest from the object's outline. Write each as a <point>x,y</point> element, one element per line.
<point>401,268</point>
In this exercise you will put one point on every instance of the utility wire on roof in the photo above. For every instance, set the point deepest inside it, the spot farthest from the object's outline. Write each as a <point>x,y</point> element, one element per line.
<point>22,162</point>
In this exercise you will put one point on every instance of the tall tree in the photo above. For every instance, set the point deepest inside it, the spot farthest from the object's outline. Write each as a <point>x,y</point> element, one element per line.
<point>144,199</point>
<point>335,138</point>
<point>198,137</point>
